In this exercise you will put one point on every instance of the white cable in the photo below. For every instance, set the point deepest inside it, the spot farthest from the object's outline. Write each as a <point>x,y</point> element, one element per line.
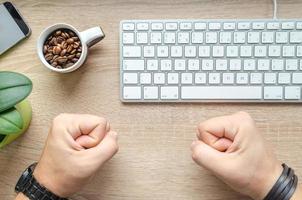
<point>275,9</point>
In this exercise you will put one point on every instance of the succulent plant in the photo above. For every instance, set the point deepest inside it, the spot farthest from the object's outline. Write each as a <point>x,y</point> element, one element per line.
<point>15,111</point>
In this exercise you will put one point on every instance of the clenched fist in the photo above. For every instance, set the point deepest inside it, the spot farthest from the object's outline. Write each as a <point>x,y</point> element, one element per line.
<point>76,147</point>
<point>235,151</point>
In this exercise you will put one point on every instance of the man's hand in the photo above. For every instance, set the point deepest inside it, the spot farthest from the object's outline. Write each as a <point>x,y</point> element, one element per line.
<point>235,151</point>
<point>76,147</point>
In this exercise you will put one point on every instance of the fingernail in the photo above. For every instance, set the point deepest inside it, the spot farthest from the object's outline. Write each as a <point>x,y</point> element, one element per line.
<point>107,127</point>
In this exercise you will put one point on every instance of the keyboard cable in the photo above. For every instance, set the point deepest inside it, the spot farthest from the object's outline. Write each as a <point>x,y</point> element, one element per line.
<point>275,9</point>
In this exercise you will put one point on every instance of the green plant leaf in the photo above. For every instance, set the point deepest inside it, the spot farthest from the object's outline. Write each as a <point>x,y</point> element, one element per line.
<point>11,122</point>
<point>14,87</point>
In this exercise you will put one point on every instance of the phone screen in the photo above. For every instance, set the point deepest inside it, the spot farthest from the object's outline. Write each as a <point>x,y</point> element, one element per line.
<point>10,31</point>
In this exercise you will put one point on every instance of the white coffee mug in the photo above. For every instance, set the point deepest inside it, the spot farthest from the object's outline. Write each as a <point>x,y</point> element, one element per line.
<point>88,38</point>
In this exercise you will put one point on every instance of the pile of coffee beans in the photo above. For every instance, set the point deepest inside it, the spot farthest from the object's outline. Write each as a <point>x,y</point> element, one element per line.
<point>62,48</point>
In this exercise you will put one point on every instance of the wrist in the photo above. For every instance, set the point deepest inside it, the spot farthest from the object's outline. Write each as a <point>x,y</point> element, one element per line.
<point>21,196</point>
<point>268,179</point>
<point>49,181</point>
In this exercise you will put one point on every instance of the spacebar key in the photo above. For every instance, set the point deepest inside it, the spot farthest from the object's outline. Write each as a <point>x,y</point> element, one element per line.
<point>221,92</point>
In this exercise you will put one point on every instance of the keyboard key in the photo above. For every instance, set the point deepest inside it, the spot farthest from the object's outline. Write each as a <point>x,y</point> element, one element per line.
<point>297,78</point>
<point>151,92</point>
<point>169,92</point>
<point>214,26</point>
<point>218,51</point>
<point>207,64</point>
<point>260,51</point>
<point>152,65</point>
<point>173,78</point>
<point>243,26</point>
<point>291,64</point>
<point>130,78</point>
<point>165,65</point>
<point>169,38</point>
<point>249,64</point>
<point>200,26</point>
<point>273,92</point>
<point>142,38</point>
<point>132,93</point>
<point>193,64</point>
<point>162,51</point>
<point>185,26</point>
<point>221,64</point>
<point>180,64</point>
<point>288,51</point>
<point>155,38</point>
<point>225,37</point>
<point>186,78</point>
<point>288,25</point>
<point>295,37</point>
<point>299,51</point>
<point>239,37</point>
<point>142,26</point>
<point>228,78</point>
<point>263,64</point>
<point>157,26</point>
<point>128,38</point>
<point>267,37</point>
<point>159,78</point>
<point>176,51</point>
<point>197,37</point>
<point>299,25</point>
<point>183,37</point>
<point>281,37</point>
<point>235,64</point>
<point>274,51</point>
<point>246,51</point>
<point>242,78</point>
<point>128,26</point>
<point>277,65</point>
<point>145,78</point>
<point>256,78</point>
<point>133,65</point>
<point>258,25</point>
<point>232,51</point>
<point>284,78</point>
<point>229,26</point>
<point>190,51</point>
<point>171,26</point>
<point>200,78</point>
<point>204,51</point>
<point>292,92</point>
<point>211,37</point>
<point>273,25</point>
<point>132,51</point>
<point>149,51</point>
<point>214,78</point>
<point>253,37</point>
<point>221,92</point>
<point>270,78</point>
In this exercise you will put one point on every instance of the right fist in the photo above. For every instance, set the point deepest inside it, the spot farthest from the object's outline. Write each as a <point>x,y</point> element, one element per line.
<point>233,149</point>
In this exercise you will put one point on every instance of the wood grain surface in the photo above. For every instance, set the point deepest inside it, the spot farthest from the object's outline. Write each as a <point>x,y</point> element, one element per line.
<point>154,161</point>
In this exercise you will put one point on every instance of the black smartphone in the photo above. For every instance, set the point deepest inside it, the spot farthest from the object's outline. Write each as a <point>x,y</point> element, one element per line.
<point>13,28</point>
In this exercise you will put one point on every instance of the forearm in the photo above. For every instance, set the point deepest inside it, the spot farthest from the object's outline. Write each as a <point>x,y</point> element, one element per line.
<point>298,193</point>
<point>20,196</point>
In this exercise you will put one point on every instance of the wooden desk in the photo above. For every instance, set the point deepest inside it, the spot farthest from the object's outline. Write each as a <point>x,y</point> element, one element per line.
<point>154,160</point>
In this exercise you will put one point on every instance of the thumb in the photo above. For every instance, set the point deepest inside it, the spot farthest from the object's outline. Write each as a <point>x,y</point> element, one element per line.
<point>106,149</point>
<point>207,157</point>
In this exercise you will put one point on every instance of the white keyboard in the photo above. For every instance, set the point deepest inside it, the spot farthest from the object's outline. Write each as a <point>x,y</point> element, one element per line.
<point>211,60</point>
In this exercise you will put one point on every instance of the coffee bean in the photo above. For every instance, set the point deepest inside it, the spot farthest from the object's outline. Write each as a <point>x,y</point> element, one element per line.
<point>62,48</point>
<point>70,41</point>
<point>48,57</point>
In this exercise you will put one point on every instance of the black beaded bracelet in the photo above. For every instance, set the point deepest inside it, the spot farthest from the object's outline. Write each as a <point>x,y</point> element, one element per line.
<point>285,186</point>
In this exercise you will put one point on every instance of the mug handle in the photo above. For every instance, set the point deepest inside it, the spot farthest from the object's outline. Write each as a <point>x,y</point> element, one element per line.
<point>92,36</point>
